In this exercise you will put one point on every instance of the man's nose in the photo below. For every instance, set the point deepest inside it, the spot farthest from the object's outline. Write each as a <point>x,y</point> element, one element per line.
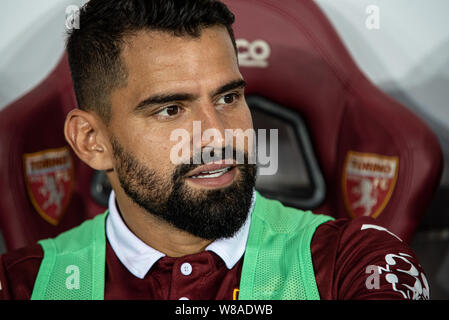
<point>212,128</point>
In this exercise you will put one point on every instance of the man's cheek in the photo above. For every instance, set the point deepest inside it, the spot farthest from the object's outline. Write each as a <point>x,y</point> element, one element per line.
<point>180,148</point>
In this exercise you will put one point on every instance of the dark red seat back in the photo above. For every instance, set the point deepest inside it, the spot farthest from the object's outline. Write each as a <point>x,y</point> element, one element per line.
<point>45,188</point>
<point>360,135</point>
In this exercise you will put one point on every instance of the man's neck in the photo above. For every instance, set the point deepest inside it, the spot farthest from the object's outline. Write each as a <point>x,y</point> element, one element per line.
<point>157,233</point>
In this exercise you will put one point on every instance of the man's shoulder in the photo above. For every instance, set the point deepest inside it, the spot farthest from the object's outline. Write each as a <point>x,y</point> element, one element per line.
<point>18,271</point>
<point>22,255</point>
<point>360,230</point>
<point>367,261</point>
<point>361,237</point>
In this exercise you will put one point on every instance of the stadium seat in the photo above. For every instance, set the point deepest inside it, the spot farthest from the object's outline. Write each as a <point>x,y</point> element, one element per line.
<point>376,157</point>
<point>45,187</point>
<point>372,155</point>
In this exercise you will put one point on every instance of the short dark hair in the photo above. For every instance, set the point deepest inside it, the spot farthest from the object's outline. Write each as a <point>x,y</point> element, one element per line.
<point>94,49</point>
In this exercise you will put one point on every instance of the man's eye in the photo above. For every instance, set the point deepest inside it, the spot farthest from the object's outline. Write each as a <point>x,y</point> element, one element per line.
<point>169,111</point>
<point>228,99</point>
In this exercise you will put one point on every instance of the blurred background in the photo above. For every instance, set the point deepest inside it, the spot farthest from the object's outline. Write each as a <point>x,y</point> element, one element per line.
<point>407,56</point>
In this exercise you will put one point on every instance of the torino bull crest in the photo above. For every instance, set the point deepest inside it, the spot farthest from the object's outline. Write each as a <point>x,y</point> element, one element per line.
<point>368,182</point>
<point>49,180</point>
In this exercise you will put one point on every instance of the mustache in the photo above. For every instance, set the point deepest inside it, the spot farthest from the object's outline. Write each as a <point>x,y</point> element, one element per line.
<point>214,156</point>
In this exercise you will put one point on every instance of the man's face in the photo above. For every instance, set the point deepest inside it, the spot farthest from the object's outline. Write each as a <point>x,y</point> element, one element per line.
<point>173,83</point>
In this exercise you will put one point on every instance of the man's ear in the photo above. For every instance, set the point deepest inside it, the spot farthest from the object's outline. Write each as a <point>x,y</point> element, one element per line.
<point>87,135</point>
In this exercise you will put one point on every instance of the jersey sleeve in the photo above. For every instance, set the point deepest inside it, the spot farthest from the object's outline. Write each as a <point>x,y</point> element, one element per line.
<point>361,260</point>
<point>18,272</point>
<point>4,289</point>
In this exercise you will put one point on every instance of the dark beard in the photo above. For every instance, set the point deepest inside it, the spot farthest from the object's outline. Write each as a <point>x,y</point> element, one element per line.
<point>208,214</point>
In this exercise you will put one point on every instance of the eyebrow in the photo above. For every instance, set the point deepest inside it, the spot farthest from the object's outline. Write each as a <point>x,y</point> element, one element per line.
<point>166,98</point>
<point>233,85</point>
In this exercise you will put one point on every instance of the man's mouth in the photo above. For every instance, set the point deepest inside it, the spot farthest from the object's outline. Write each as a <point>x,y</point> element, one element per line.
<point>213,175</point>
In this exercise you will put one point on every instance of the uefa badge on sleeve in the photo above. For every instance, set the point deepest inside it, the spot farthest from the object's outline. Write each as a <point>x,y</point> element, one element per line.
<point>368,182</point>
<point>49,179</point>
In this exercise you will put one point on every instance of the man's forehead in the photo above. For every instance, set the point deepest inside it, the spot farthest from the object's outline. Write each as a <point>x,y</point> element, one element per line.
<point>160,49</point>
<point>158,60</point>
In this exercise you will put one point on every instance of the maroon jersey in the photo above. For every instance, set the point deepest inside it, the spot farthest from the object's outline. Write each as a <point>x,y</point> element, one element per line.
<point>352,259</point>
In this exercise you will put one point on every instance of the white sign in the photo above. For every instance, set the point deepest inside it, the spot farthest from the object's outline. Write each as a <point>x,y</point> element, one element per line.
<point>253,54</point>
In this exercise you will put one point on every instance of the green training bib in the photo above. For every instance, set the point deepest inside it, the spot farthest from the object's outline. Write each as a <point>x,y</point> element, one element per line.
<point>277,262</point>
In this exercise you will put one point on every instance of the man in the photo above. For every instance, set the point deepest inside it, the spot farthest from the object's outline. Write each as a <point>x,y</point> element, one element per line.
<point>143,69</point>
